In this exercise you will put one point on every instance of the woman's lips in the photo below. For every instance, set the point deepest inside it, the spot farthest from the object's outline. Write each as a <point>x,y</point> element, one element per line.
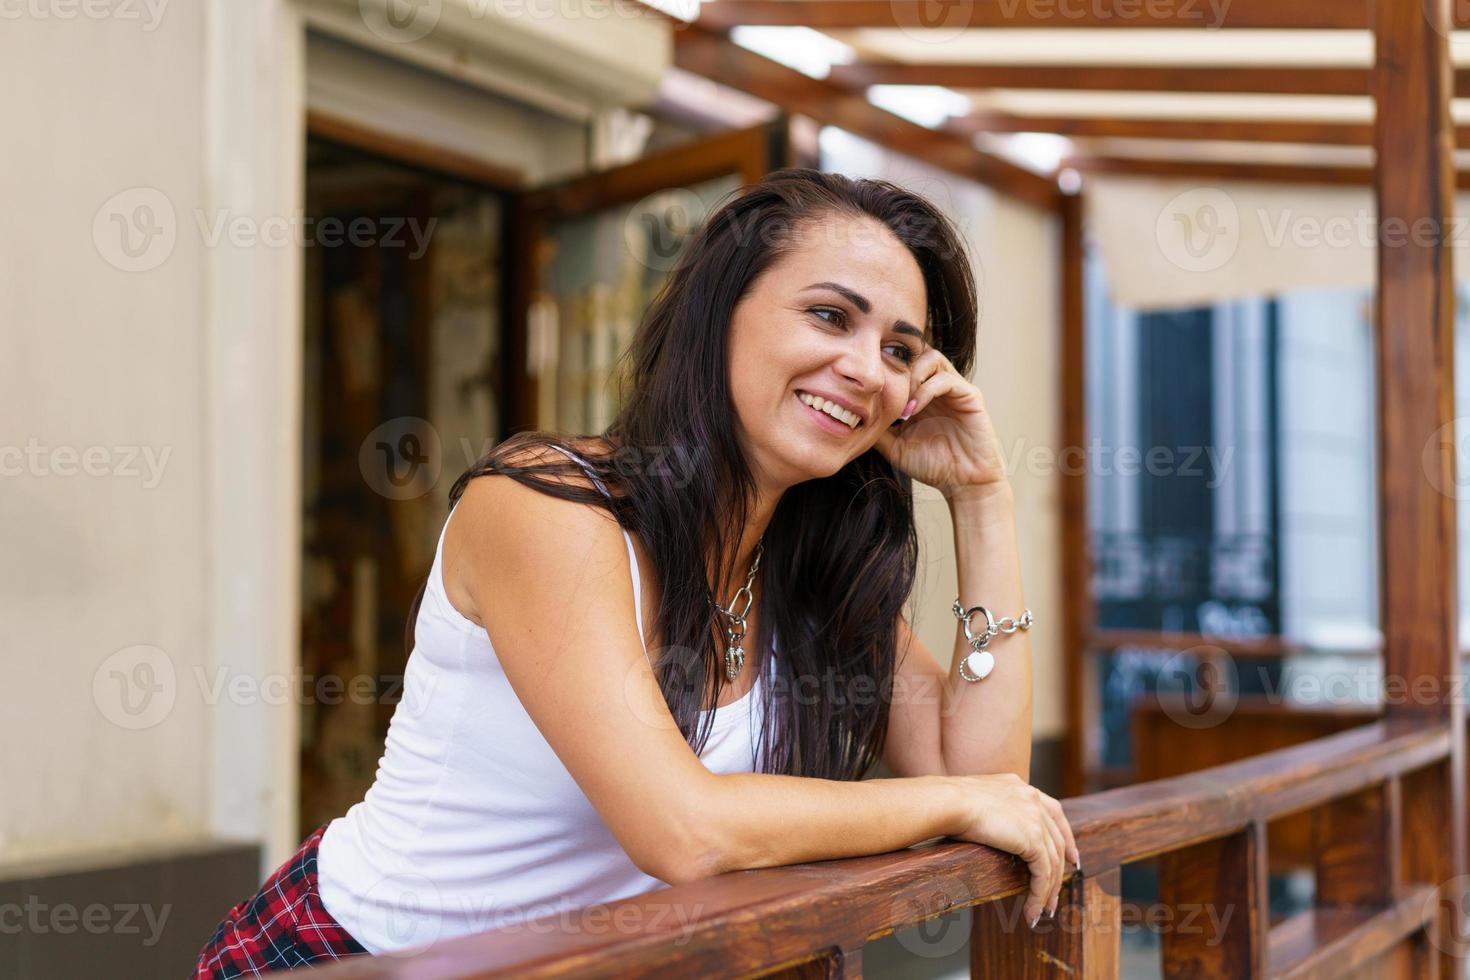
<point>826,421</point>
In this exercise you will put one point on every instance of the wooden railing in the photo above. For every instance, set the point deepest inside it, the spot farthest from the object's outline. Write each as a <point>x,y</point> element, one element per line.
<point>1382,876</point>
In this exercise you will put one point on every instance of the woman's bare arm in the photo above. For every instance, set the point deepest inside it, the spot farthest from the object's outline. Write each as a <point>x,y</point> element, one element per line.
<point>940,724</point>
<point>551,581</point>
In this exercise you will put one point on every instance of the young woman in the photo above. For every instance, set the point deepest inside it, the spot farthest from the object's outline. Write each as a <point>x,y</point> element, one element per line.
<point>674,650</point>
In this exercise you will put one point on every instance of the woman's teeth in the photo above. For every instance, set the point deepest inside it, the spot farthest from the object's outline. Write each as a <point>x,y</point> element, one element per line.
<point>836,411</point>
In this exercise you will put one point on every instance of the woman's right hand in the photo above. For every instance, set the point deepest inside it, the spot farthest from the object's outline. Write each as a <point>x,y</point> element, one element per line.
<point>1007,813</point>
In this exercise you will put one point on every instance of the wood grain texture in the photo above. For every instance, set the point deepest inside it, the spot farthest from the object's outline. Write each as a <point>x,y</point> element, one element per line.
<point>1356,844</point>
<point>1332,942</point>
<point>710,55</point>
<point>1081,941</point>
<point>995,15</point>
<point>1076,560</point>
<point>1128,824</point>
<point>1216,891</point>
<point>1414,341</point>
<point>745,923</point>
<point>1276,79</point>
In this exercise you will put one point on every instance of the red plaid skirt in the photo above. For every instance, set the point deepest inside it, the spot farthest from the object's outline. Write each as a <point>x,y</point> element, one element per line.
<point>283,926</point>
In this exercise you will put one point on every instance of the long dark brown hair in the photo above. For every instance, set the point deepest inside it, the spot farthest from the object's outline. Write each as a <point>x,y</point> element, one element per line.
<point>841,552</point>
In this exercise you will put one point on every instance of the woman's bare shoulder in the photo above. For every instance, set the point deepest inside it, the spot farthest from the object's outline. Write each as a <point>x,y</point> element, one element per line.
<point>498,514</point>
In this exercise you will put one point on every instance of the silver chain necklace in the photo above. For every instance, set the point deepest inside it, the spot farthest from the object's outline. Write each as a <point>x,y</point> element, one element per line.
<point>735,631</point>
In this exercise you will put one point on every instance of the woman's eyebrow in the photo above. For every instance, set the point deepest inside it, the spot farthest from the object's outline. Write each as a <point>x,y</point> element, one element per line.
<point>861,302</point>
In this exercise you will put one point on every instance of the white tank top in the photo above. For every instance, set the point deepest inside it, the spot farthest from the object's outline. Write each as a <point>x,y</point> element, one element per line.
<point>472,822</point>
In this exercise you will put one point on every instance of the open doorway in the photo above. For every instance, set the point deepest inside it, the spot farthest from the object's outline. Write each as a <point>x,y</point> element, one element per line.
<point>404,386</point>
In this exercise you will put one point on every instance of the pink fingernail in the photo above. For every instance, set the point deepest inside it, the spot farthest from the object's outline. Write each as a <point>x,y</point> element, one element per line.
<point>909,408</point>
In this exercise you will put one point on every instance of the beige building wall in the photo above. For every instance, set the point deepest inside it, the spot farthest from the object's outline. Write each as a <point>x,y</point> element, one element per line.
<point>150,427</point>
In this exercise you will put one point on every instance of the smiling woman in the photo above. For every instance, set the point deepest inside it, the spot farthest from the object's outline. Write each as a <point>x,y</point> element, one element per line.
<point>581,721</point>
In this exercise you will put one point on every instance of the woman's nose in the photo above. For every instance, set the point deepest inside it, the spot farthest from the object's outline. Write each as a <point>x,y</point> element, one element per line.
<point>862,362</point>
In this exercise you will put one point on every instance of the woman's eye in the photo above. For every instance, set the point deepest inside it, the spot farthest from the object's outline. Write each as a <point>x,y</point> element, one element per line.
<point>905,353</point>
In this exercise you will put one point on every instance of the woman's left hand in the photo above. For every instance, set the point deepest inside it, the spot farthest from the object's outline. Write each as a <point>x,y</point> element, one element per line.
<point>948,442</point>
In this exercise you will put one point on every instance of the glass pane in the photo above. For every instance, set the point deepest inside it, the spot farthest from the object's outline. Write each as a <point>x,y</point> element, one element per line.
<point>601,272</point>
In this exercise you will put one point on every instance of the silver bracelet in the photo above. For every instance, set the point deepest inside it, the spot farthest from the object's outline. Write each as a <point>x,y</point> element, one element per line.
<point>978,665</point>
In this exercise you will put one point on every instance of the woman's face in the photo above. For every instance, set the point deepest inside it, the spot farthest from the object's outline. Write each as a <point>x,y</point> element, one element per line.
<point>840,316</point>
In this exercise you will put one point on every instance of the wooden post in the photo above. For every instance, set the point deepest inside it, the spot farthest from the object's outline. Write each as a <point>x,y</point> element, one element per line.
<point>1081,942</point>
<point>1356,842</point>
<point>1076,543</point>
<point>1413,187</point>
<point>1220,881</point>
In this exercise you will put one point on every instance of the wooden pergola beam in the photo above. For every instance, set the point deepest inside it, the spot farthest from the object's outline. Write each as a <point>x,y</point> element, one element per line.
<point>1240,130</point>
<point>1190,79</point>
<point>712,56</point>
<point>1279,173</point>
<point>1043,14</point>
